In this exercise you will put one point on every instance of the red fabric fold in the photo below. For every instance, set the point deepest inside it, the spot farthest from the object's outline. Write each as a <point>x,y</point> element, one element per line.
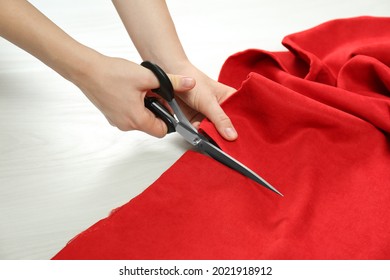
<point>314,121</point>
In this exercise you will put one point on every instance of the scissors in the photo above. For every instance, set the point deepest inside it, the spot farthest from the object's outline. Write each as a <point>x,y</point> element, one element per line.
<point>179,123</point>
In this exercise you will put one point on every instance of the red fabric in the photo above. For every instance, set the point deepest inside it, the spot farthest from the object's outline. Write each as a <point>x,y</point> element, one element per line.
<point>314,121</point>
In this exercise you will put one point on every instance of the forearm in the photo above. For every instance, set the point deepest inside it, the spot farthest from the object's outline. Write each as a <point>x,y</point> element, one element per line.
<point>152,31</point>
<point>22,24</point>
<point>116,86</point>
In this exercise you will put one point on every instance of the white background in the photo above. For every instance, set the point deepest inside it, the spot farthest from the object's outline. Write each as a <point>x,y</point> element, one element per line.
<point>62,166</point>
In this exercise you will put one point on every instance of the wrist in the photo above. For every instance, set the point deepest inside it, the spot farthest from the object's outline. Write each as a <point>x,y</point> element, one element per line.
<point>177,66</point>
<point>78,67</point>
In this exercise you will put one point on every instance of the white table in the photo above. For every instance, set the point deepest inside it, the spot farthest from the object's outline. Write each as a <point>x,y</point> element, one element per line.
<point>62,166</point>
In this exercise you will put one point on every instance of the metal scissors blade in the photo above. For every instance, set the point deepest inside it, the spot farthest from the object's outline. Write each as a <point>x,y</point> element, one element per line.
<point>227,160</point>
<point>200,142</point>
<point>181,125</point>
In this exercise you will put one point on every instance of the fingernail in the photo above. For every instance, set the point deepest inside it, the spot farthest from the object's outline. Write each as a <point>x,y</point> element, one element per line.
<point>231,133</point>
<point>187,82</point>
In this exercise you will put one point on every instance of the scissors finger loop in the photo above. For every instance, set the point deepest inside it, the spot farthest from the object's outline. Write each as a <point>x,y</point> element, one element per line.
<point>166,89</point>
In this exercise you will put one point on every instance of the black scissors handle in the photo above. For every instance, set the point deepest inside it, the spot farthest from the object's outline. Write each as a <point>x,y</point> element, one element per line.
<point>165,91</point>
<point>161,112</point>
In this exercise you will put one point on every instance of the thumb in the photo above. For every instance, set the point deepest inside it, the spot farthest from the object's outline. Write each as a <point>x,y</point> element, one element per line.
<point>221,121</point>
<point>151,124</point>
<point>181,83</point>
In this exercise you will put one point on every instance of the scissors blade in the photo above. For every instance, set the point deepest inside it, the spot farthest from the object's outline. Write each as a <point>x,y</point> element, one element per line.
<point>224,158</point>
<point>180,115</point>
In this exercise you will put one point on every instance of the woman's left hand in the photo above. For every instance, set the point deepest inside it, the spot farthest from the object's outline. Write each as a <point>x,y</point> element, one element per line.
<point>204,101</point>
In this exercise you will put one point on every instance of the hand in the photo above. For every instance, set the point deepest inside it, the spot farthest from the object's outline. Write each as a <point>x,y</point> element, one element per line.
<point>204,101</point>
<point>117,87</point>
<point>145,30</point>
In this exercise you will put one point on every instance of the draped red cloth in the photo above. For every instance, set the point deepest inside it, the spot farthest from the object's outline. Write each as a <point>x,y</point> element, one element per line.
<point>314,121</point>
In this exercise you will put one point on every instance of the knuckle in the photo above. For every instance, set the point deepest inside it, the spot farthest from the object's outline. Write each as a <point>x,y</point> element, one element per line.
<point>222,118</point>
<point>125,125</point>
